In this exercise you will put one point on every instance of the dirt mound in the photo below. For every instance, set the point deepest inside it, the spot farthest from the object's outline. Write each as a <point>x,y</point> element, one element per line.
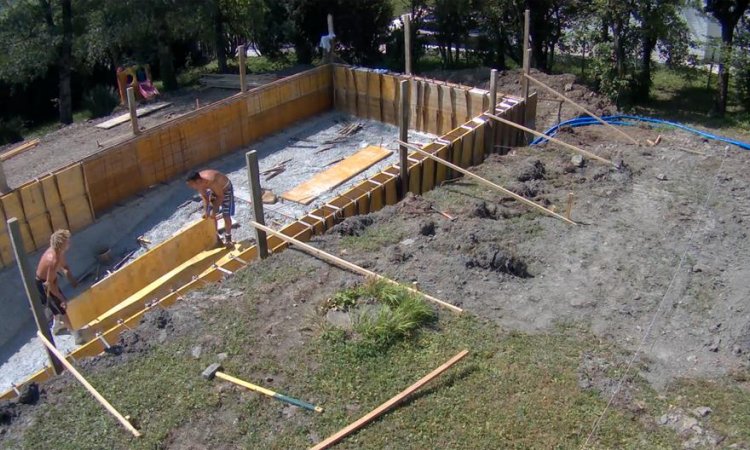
<point>532,169</point>
<point>353,226</point>
<point>492,257</point>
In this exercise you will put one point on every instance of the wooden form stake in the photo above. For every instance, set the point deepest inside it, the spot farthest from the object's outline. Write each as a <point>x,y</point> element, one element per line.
<point>37,310</point>
<point>569,208</point>
<point>551,139</point>
<point>526,55</point>
<point>4,188</point>
<point>403,135</point>
<point>132,106</point>
<point>243,68</point>
<point>382,409</point>
<point>407,43</point>
<point>580,107</point>
<point>489,183</point>
<point>347,265</point>
<point>253,175</point>
<point>88,386</point>
<point>491,133</point>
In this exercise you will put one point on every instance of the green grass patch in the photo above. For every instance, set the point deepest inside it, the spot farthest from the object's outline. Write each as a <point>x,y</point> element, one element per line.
<point>374,238</point>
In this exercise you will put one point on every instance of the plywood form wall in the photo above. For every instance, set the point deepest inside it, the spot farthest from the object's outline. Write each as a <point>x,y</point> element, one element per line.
<point>54,202</point>
<point>171,149</point>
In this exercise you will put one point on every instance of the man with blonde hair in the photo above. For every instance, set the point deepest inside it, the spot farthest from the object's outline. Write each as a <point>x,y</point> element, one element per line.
<point>52,261</point>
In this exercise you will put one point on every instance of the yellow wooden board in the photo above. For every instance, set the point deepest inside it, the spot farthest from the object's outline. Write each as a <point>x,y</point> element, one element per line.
<point>11,204</point>
<point>36,213</point>
<point>306,192</point>
<point>54,204</point>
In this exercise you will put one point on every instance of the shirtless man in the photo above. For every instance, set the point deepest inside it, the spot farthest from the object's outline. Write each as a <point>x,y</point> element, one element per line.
<point>215,190</point>
<point>52,261</point>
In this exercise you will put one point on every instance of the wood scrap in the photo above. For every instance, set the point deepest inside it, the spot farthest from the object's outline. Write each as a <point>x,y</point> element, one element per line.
<point>324,148</point>
<point>19,149</point>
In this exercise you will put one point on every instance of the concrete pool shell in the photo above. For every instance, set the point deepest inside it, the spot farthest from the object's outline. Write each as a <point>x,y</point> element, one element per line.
<point>160,155</point>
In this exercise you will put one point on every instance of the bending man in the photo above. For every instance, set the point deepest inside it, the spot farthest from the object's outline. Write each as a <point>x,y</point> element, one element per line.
<point>52,261</point>
<point>216,191</point>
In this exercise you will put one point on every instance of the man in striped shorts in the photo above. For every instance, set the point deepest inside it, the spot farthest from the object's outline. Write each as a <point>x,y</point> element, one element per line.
<point>218,195</point>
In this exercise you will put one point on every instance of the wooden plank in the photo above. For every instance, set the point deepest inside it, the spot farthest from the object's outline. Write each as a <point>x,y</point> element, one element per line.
<point>19,149</point>
<point>111,123</point>
<point>306,192</point>
<point>6,250</point>
<point>35,209</point>
<point>382,409</point>
<point>14,208</point>
<point>53,202</point>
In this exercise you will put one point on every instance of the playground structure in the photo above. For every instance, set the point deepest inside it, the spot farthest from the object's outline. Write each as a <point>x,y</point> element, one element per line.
<point>139,78</point>
<point>158,278</point>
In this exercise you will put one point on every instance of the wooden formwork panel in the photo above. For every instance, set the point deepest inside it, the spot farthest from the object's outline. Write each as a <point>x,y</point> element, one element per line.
<point>6,251</point>
<point>52,199</point>
<point>443,152</point>
<point>391,98</point>
<point>479,142</point>
<point>374,96</point>
<point>35,210</point>
<point>13,207</point>
<point>360,86</point>
<point>74,194</point>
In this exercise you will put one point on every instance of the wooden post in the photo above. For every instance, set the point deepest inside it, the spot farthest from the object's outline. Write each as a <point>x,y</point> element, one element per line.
<point>349,266</point>
<point>403,135</point>
<point>551,139</point>
<point>407,43</point>
<point>490,133</point>
<point>569,208</point>
<point>382,409</point>
<point>526,55</point>
<point>14,232</point>
<point>490,184</point>
<point>103,401</point>
<point>333,39</point>
<point>243,68</point>
<point>4,188</point>
<point>133,112</point>
<point>253,175</point>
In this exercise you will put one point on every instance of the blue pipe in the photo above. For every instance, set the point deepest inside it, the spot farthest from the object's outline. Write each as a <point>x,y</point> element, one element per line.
<point>622,120</point>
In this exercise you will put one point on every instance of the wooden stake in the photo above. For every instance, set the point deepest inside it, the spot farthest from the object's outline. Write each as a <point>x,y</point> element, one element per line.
<point>490,132</point>
<point>333,39</point>
<point>526,55</point>
<point>569,209</point>
<point>29,285</point>
<point>580,107</point>
<point>403,135</point>
<point>132,106</point>
<point>28,145</point>
<point>382,409</point>
<point>551,139</point>
<point>347,265</point>
<point>253,175</point>
<point>407,44</point>
<point>4,188</point>
<point>243,68</point>
<point>88,386</point>
<point>197,103</point>
<point>489,183</point>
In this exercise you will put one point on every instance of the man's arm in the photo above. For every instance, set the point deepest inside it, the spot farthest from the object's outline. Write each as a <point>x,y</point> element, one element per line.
<point>51,282</point>
<point>204,197</point>
<point>69,275</point>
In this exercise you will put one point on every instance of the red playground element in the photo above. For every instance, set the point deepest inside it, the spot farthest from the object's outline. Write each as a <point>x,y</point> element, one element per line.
<point>138,77</point>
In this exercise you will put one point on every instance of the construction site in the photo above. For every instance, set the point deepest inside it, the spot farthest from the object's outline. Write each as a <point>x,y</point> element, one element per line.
<point>592,281</point>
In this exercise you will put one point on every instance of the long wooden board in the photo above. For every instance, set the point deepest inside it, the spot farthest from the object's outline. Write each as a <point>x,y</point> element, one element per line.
<point>20,149</point>
<point>111,123</point>
<point>306,192</point>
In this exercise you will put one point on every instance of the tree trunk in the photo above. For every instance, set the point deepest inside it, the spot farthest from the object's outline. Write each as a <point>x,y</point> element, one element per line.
<point>219,38</point>
<point>618,31</point>
<point>166,60</point>
<point>727,36</point>
<point>644,75</point>
<point>65,100</point>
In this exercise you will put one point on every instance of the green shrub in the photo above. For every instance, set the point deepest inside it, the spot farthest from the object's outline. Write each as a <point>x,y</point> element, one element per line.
<point>11,131</point>
<point>100,101</point>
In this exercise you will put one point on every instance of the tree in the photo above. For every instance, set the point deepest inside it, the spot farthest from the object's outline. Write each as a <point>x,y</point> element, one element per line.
<point>36,36</point>
<point>454,19</point>
<point>728,13</point>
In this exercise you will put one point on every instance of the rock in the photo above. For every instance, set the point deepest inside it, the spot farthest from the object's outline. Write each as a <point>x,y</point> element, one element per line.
<point>702,411</point>
<point>686,424</point>
<point>715,327</point>
<point>196,351</point>
<point>736,350</point>
<point>661,177</point>
<point>577,160</point>
<point>268,197</point>
<point>29,394</point>
<point>568,87</point>
<point>407,242</point>
<point>713,346</point>
<point>699,268</point>
<point>663,420</point>
<point>269,379</point>
<point>222,356</point>
<point>427,228</point>
<point>533,169</point>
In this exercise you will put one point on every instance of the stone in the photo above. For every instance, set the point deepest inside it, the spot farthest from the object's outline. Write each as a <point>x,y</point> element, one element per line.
<point>661,177</point>
<point>686,424</point>
<point>699,268</point>
<point>736,350</point>
<point>702,411</point>
<point>577,160</point>
<point>427,228</point>
<point>196,351</point>
<point>714,345</point>
<point>663,420</point>
<point>222,356</point>
<point>268,197</point>
<point>715,327</point>
<point>407,242</point>
<point>568,87</point>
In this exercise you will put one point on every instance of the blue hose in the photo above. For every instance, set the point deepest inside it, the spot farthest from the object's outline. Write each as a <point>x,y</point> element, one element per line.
<point>622,120</point>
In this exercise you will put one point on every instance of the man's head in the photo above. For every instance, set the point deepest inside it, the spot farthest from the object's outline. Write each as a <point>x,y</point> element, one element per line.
<point>60,240</point>
<point>194,180</point>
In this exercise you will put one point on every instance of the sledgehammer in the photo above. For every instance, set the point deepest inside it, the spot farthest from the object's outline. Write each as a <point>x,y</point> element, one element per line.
<point>214,370</point>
